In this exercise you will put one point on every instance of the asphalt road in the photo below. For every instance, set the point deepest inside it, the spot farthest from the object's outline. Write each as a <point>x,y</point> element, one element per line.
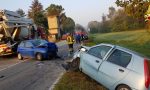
<point>8,61</point>
<point>31,74</point>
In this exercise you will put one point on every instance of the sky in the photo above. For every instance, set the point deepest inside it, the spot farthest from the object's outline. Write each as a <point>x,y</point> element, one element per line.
<point>81,11</point>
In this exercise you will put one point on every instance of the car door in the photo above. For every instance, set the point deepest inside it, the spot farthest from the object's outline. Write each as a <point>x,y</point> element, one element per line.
<point>21,48</point>
<point>29,50</point>
<point>114,68</point>
<point>91,60</point>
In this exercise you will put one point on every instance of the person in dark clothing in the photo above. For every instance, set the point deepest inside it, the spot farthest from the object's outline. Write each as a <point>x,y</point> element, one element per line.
<point>78,38</point>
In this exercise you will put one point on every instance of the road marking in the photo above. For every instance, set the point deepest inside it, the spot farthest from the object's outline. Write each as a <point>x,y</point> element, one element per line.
<point>57,80</point>
<point>9,66</point>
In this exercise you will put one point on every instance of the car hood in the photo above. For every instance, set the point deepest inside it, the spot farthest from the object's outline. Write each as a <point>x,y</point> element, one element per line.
<point>86,47</point>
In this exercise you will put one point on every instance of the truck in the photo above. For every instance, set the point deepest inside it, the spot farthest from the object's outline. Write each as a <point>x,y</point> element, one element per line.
<point>13,29</point>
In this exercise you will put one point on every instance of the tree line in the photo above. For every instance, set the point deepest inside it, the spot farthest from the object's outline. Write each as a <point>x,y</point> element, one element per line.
<point>129,17</point>
<point>39,16</point>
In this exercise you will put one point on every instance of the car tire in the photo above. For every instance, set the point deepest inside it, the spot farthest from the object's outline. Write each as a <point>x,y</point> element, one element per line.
<point>20,56</point>
<point>39,56</point>
<point>123,87</point>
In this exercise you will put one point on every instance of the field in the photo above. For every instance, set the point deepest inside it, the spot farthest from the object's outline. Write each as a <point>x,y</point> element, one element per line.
<point>77,81</point>
<point>135,40</point>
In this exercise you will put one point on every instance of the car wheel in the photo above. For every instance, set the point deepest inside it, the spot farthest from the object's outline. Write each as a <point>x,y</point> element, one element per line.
<point>123,87</point>
<point>20,56</point>
<point>39,56</point>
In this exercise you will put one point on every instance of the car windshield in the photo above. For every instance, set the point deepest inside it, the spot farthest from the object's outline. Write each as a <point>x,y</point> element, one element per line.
<point>39,42</point>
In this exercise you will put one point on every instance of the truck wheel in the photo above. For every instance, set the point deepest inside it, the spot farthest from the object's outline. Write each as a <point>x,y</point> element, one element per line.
<point>39,56</point>
<point>20,56</point>
<point>123,87</point>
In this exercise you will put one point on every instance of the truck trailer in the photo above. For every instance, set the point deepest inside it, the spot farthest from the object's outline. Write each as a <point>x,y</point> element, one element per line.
<point>13,29</point>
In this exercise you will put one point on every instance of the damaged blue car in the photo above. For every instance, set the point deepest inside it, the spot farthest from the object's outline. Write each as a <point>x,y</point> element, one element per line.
<point>38,48</point>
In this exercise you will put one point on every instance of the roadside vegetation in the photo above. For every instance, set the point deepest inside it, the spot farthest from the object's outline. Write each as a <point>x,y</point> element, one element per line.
<point>138,40</point>
<point>77,81</point>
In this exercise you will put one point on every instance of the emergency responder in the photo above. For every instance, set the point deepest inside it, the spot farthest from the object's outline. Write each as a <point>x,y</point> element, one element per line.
<point>70,41</point>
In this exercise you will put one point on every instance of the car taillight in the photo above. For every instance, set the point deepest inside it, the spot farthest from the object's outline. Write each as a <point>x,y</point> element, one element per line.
<point>146,72</point>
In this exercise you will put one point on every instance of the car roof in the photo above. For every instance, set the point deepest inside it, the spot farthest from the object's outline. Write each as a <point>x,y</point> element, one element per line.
<point>131,51</point>
<point>125,49</point>
<point>32,40</point>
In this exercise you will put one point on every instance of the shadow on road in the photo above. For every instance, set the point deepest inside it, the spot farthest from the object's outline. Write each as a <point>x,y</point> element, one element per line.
<point>8,56</point>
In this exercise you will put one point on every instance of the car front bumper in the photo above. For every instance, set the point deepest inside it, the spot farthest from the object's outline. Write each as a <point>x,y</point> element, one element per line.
<point>5,54</point>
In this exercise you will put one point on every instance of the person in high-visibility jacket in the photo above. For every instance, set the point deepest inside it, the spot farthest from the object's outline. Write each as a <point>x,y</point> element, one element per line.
<point>70,42</point>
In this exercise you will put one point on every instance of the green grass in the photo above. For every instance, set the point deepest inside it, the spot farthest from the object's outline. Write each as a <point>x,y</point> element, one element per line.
<point>138,41</point>
<point>77,81</point>
<point>135,40</point>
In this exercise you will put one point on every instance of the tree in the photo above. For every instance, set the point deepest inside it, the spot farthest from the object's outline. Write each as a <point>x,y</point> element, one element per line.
<point>94,26</point>
<point>37,14</point>
<point>80,28</point>
<point>135,8</point>
<point>35,9</point>
<point>104,25</point>
<point>54,10</point>
<point>119,22</point>
<point>104,18</point>
<point>41,20</point>
<point>20,12</point>
<point>68,25</point>
<point>112,12</point>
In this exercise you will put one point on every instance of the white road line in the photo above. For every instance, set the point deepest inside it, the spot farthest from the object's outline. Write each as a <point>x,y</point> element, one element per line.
<point>9,66</point>
<point>57,80</point>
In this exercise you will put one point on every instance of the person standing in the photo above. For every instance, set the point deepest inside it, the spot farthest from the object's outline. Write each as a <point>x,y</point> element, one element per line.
<point>70,42</point>
<point>78,39</point>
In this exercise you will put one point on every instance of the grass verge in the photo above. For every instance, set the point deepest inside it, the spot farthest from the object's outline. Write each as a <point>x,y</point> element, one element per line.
<point>77,81</point>
<point>138,41</point>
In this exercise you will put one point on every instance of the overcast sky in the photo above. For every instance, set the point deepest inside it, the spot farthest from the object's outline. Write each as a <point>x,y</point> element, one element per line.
<point>82,11</point>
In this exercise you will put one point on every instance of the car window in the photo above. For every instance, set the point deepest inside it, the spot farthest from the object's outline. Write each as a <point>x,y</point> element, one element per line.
<point>28,44</point>
<point>39,42</point>
<point>120,58</point>
<point>99,51</point>
<point>21,44</point>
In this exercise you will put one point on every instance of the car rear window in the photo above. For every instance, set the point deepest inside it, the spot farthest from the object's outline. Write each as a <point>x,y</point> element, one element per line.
<point>120,58</point>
